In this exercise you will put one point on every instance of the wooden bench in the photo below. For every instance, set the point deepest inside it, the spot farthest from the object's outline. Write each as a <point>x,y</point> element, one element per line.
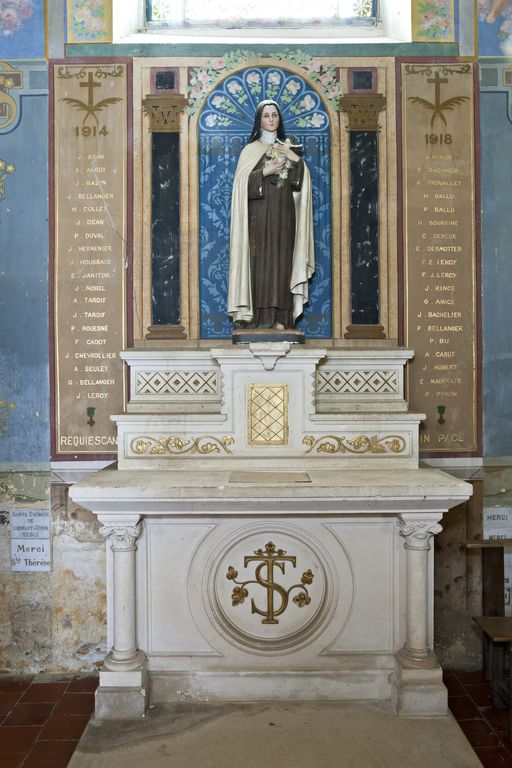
<point>493,573</point>
<point>497,633</point>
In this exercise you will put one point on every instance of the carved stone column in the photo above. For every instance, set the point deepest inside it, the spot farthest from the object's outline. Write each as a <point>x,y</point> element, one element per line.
<point>419,689</point>
<point>124,653</point>
<point>123,690</point>
<point>417,534</point>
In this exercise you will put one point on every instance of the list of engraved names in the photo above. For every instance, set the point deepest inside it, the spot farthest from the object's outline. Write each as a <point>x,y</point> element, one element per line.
<point>90,254</point>
<point>440,254</point>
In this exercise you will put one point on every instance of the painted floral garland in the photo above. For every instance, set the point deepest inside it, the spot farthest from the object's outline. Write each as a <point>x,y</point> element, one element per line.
<point>203,79</point>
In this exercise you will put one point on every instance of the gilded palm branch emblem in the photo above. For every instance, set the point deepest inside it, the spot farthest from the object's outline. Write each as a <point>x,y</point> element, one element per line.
<point>438,107</point>
<point>90,107</point>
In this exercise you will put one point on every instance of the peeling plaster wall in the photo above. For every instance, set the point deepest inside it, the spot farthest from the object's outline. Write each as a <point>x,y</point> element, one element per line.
<point>25,605</point>
<point>56,620</point>
<point>78,578</point>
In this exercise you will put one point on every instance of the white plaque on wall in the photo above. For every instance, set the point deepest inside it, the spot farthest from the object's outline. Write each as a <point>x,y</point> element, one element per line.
<point>30,540</point>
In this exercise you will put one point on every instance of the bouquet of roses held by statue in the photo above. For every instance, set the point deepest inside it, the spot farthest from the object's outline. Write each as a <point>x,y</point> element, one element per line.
<point>274,155</point>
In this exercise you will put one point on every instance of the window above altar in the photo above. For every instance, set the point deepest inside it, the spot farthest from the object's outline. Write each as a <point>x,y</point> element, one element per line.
<point>336,21</point>
<point>248,14</point>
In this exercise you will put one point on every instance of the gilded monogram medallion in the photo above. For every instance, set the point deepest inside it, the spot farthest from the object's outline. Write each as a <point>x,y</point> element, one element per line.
<point>270,563</point>
<point>274,597</point>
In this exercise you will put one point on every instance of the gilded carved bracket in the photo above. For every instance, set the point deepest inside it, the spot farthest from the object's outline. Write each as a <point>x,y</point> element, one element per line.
<point>362,110</point>
<point>164,112</point>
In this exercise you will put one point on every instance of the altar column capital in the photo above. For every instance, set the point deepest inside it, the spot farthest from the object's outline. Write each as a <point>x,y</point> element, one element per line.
<point>417,530</point>
<point>122,536</point>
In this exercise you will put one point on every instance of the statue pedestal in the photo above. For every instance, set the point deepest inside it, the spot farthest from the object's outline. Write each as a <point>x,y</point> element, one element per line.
<point>266,335</point>
<point>272,538</point>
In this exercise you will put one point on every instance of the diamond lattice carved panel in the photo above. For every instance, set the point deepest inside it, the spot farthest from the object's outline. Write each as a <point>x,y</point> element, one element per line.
<point>357,382</point>
<point>177,383</point>
<point>267,414</point>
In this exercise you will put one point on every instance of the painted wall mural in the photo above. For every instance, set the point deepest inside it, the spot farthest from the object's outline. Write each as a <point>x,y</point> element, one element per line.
<point>433,21</point>
<point>225,124</point>
<point>11,83</point>
<point>495,27</point>
<point>5,407</point>
<point>24,387</point>
<point>5,170</point>
<point>22,29</point>
<point>89,21</point>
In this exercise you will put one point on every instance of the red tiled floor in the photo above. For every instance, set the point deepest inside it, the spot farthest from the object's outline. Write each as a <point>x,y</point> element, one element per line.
<point>50,754</point>
<point>29,713</point>
<point>7,701</point>
<point>481,694</point>
<point>507,743</point>
<point>11,683</point>
<point>45,692</point>
<point>33,734</point>
<point>494,757</point>
<point>12,761</point>
<point>463,708</point>
<point>487,731</point>
<point>470,678</point>
<point>64,727</point>
<point>75,704</point>
<point>453,686</point>
<point>41,721</point>
<point>497,718</point>
<point>479,733</point>
<point>17,738</point>
<point>83,684</point>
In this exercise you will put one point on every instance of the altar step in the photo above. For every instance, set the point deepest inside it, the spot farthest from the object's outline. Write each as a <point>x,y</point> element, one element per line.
<point>308,735</point>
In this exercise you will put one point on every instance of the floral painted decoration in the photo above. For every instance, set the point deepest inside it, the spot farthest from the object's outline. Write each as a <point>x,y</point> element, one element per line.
<point>233,104</point>
<point>13,14</point>
<point>324,76</point>
<point>5,170</point>
<point>202,80</point>
<point>434,20</point>
<point>88,21</point>
<point>490,11</point>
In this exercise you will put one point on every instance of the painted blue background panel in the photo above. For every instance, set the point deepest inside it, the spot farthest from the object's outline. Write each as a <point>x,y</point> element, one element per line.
<point>224,128</point>
<point>22,34</point>
<point>24,347</point>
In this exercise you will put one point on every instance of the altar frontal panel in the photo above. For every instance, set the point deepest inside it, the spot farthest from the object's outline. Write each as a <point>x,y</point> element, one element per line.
<point>440,253</point>
<point>267,594</point>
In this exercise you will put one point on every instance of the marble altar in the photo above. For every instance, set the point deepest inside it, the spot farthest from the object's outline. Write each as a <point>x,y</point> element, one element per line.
<point>269,532</point>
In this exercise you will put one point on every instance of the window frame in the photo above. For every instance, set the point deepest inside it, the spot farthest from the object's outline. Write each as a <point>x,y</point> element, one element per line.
<point>346,24</point>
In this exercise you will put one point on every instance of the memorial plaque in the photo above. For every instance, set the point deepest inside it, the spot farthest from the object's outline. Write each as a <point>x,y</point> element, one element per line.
<point>30,523</point>
<point>90,162</point>
<point>440,253</point>
<point>30,540</point>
